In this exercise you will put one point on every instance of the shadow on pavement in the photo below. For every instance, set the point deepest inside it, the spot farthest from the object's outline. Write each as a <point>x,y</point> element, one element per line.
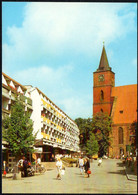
<point>77,174</point>
<point>55,178</point>
<point>122,172</point>
<point>120,164</point>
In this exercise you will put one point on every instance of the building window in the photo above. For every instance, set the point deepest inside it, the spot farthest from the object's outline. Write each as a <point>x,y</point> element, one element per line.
<point>102,95</point>
<point>101,110</point>
<point>120,133</point>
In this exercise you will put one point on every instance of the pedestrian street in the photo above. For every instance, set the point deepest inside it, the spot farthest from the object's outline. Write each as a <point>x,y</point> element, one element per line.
<point>109,178</point>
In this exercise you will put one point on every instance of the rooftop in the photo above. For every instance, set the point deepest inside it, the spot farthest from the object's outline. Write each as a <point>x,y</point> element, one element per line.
<point>125,105</point>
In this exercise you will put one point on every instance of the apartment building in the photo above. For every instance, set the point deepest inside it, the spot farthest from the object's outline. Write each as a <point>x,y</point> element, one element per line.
<point>57,132</point>
<point>11,89</point>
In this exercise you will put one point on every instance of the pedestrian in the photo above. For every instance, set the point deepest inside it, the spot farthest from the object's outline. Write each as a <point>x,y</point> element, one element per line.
<point>87,167</point>
<point>81,163</point>
<point>20,164</point>
<point>52,159</point>
<point>25,166</point>
<point>99,162</point>
<point>59,167</point>
<point>39,160</point>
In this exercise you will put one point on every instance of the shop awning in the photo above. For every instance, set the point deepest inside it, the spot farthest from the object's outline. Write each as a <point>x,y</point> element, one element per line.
<point>38,150</point>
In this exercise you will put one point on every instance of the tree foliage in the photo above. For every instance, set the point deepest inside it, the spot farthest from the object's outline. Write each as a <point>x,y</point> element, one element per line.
<point>101,127</point>
<point>133,134</point>
<point>18,130</point>
<point>92,146</point>
<point>85,128</point>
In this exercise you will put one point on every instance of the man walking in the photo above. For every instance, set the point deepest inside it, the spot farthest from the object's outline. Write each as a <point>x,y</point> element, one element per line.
<point>25,165</point>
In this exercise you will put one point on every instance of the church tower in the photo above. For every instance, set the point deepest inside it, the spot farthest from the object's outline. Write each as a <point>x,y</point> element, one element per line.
<point>103,81</point>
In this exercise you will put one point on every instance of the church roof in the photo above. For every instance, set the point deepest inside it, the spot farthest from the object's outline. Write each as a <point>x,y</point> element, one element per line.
<point>103,65</point>
<point>124,108</point>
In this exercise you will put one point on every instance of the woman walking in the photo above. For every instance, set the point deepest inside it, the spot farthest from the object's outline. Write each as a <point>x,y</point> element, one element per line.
<point>87,167</point>
<point>81,164</point>
<point>59,167</point>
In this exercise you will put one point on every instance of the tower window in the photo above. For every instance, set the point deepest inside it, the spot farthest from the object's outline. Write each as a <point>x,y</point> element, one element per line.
<point>102,95</point>
<point>120,135</point>
<point>121,111</point>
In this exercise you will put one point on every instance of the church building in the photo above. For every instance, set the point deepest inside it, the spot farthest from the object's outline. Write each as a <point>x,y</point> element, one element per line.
<point>119,102</point>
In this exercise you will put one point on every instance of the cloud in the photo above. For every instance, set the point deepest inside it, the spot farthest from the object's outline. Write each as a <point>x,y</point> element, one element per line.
<point>134,62</point>
<point>51,29</point>
<point>36,52</point>
<point>78,106</point>
<point>44,76</point>
<point>55,83</point>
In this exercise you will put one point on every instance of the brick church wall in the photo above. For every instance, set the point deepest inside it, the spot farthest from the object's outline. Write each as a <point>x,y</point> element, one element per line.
<point>114,151</point>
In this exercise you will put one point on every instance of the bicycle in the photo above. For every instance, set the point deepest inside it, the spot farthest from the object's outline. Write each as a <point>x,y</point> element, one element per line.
<point>40,168</point>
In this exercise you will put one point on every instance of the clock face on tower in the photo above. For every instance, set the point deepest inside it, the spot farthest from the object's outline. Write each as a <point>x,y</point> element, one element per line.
<point>101,77</point>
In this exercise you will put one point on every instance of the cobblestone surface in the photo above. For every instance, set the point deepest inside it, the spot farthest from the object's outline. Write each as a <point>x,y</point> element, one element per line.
<point>109,178</point>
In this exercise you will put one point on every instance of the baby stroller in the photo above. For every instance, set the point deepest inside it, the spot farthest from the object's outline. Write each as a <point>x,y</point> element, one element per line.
<point>30,171</point>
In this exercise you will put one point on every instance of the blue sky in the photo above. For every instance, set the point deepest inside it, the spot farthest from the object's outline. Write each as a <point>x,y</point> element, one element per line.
<point>57,47</point>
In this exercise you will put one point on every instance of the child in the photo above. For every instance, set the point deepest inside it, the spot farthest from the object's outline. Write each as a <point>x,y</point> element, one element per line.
<point>100,162</point>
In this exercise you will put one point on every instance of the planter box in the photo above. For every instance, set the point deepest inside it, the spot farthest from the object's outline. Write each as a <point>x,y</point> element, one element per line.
<point>16,176</point>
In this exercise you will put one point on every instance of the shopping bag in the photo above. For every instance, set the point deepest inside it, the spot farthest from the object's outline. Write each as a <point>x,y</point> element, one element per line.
<point>62,172</point>
<point>63,167</point>
<point>89,172</point>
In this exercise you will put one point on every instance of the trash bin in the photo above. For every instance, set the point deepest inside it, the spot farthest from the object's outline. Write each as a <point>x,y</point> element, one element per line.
<point>18,175</point>
<point>15,172</point>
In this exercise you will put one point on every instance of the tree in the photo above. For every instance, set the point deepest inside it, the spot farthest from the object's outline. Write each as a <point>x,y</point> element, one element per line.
<point>101,127</point>
<point>18,130</point>
<point>92,146</point>
<point>85,128</point>
<point>133,133</point>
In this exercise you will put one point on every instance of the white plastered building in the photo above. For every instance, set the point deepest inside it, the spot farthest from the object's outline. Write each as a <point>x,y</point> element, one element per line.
<point>56,132</point>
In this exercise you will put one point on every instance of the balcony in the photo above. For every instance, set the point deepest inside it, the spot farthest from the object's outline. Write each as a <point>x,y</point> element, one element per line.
<point>5,111</point>
<point>29,101</point>
<point>47,136</point>
<point>5,93</point>
<point>22,98</point>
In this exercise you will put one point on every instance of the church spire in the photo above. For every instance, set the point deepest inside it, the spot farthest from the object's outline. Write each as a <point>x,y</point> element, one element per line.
<point>103,65</point>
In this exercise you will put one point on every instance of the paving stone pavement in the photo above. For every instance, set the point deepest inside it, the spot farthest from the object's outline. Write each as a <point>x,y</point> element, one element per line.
<point>109,178</point>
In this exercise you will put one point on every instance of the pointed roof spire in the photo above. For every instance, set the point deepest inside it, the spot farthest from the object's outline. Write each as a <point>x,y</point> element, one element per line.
<point>103,65</point>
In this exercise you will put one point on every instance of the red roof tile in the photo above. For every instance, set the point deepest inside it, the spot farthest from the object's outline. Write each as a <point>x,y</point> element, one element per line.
<point>125,106</point>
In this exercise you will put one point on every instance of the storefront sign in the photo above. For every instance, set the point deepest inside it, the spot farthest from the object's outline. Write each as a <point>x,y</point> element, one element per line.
<point>38,150</point>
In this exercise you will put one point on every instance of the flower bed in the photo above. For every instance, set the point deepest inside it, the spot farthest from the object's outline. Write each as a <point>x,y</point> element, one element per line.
<point>70,161</point>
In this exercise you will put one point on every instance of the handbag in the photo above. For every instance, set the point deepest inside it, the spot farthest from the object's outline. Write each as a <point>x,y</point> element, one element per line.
<point>89,172</point>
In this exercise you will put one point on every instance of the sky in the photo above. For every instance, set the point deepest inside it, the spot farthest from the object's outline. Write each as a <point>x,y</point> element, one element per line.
<point>57,46</point>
